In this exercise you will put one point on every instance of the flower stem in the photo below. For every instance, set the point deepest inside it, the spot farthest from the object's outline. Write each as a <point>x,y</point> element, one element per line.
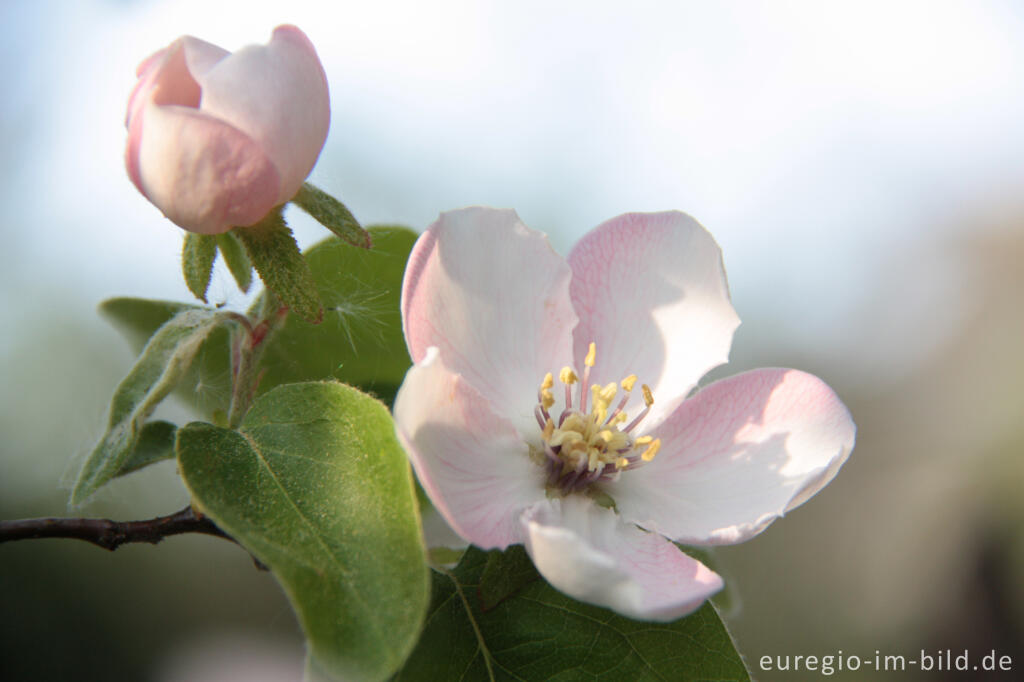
<point>247,344</point>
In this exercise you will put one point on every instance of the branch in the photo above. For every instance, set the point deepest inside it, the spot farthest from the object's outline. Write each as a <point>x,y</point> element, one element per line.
<point>111,534</point>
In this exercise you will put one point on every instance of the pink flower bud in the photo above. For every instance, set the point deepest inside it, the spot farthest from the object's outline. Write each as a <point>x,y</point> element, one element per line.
<point>217,139</point>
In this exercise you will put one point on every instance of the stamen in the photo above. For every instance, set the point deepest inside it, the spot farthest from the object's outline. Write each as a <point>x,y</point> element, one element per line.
<point>585,446</point>
<point>547,399</point>
<point>539,416</point>
<point>568,377</point>
<point>651,450</point>
<point>588,362</point>
<point>648,401</point>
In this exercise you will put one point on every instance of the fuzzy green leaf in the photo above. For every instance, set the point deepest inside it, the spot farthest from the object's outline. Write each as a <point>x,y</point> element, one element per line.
<point>316,486</point>
<point>206,385</point>
<point>276,257</point>
<point>540,634</point>
<point>155,444</point>
<point>197,262</point>
<point>360,340</point>
<point>139,318</point>
<point>233,253</point>
<point>332,214</point>
<point>157,371</point>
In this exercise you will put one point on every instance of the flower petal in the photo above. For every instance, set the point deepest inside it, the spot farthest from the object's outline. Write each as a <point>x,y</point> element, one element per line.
<point>203,174</point>
<point>277,95</point>
<point>472,463</point>
<point>587,552</point>
<point>165,77</point>
<point>650,291</point>
<point>737,455</point>
<point>493,296</point>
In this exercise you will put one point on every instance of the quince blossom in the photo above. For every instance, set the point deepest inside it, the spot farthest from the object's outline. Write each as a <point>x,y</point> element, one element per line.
<point>217,139</point>
<point>548,405</point>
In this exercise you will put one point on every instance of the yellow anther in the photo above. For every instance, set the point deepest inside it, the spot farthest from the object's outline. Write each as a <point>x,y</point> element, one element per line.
<point>619,418</point>
<point>591,355</point>
<point>651,450</point>
<point>567,376</point>
<point>607,435</point>
<point>548,382</point>
<point>546,398</point>
<point>549,428</point>
<point>644,440</point>
<point>608,393</point>
<point>648,396</point>
<point>595,397</point>
<point>628,382</point>
<point>621,463</point>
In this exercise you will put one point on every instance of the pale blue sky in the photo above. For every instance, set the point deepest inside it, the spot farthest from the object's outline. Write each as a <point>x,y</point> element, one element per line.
<point>824,145</point>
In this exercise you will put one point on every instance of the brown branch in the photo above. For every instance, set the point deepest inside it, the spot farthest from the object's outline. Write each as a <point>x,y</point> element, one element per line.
<point>112,534</point>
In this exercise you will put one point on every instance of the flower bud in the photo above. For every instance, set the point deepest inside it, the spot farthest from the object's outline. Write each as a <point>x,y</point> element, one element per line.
<point>217,139</point>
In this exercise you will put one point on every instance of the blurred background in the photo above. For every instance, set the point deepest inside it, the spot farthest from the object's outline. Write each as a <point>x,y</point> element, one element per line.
<point>861,165</point>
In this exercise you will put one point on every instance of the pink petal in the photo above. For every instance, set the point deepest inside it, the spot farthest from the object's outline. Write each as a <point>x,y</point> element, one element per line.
<point>650,291</point>
<point>203,174</point>
<point>493,296</point>
<point>472,463</point>
<point>277,95</point>
<point>739,454</point>
<point>588,553</point>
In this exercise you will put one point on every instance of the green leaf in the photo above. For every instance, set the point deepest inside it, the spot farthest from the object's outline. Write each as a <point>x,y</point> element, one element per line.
<point>233,253</point>
<point>360,340</point>
<point>155,444</point>
<point>505,573</point>
<point>316,486</point>
<point>206,385</point>
<point>332,214</point>
<point>197,262</point>
<point>541,634</point>
<point>273,251</point>
<point>160,366</point>
<point>138,318</point>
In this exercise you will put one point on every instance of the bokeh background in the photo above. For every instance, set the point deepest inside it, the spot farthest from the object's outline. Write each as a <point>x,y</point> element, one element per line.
<point>861,165</point>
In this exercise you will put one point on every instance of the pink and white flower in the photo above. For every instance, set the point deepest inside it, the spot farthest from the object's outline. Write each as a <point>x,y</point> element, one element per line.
<point>217,139</point>
<point>525,424</point>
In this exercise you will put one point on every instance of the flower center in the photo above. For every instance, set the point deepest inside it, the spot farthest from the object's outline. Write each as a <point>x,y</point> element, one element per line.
<point>581,448</point>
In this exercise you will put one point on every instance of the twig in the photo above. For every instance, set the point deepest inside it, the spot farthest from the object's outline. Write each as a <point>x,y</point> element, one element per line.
<point>112,534</point>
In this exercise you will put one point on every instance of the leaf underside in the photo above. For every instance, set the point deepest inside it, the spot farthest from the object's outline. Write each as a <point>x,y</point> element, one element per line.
<point>162,363</point>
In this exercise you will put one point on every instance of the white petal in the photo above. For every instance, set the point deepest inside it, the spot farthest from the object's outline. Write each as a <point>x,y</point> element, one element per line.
<point>471,462</point>
<point>204,174</point>
<point>276,94</point>
<point>587,552</point>
<point>650,291</point>
<point>739,454</point>
<point>493,296</point>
